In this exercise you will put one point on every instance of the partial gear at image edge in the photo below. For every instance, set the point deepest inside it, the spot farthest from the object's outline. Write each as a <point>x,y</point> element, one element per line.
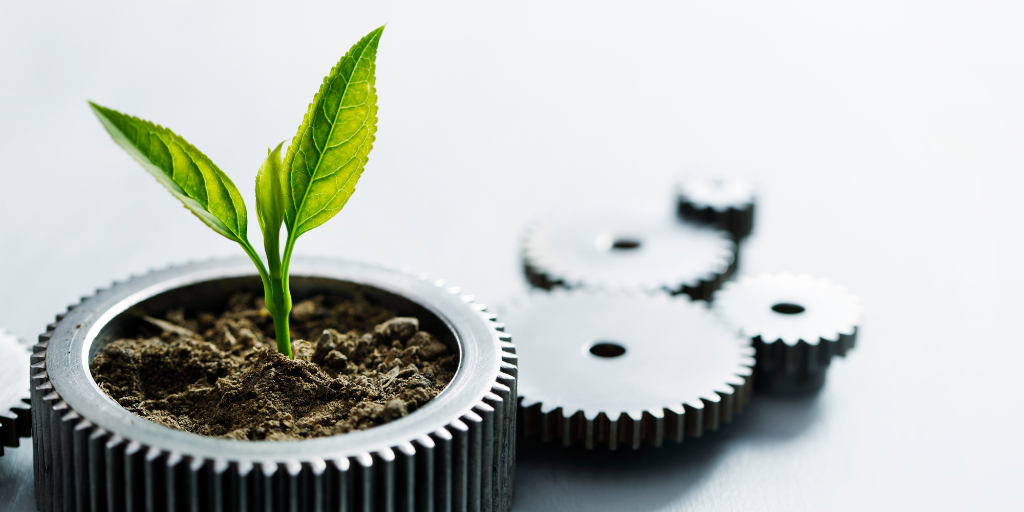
<point>15,411</point>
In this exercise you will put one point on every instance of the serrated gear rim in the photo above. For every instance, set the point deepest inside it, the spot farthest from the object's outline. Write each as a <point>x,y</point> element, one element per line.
<point>83,458</point>
<point>15,415</point>
<point>798,287</point>
<point>706,411</point>
<point>735,216</point>
<point>546,269</point>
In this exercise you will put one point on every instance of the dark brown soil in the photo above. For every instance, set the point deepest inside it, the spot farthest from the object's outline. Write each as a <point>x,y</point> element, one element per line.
<point>221,375</point>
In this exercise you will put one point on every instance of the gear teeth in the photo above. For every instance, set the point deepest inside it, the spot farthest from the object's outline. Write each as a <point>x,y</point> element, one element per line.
<point>788,359</point>
<point>724,203</point>
<point>15,402</point>
<point>546,267</point>
<point>467,465</point>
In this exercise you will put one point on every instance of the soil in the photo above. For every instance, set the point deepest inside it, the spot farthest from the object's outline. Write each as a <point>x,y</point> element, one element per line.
<point>220,375</point>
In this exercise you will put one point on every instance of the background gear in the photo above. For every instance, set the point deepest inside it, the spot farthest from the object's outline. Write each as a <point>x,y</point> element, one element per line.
<point>15,415</point>
<point>605,368</point>
<point>726,203</point>
<point>796,324</point>
<point>457,452</point>
<point>627,251</point>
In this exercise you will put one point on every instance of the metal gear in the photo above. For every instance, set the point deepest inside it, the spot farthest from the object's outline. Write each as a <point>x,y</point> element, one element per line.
<point>796,324</point>
<point>605,369</point>
<point>15,414</point>
<point>455,453</point>
<point>725,203</point>
<point>627,251</point>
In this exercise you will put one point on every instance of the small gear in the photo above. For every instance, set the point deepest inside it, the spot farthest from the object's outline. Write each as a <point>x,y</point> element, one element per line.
<point>725,203</point>
<point>627,251</point>
<point>15,413</point>
<point>607,368</point>
<point>796,324</point>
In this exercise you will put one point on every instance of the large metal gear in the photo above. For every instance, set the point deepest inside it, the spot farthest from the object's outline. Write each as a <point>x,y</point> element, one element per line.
<point>796,324</point>
<point>15,416</point>
<point>609,369</point>
<point>455,453</point>
<point>627,251</point>
<point>727,203</point>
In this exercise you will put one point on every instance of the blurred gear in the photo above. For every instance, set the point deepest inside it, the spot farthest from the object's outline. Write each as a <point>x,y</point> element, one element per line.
<point>604,369</point>
<point>796,324</point>
<point>726,203</point>
<point>15,413</point>
<point>627,251</point>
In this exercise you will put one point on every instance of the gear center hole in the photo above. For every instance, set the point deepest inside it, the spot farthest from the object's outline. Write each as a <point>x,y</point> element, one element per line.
<point>788,309</point>
<point>625,244</point>
<point>607,349</point>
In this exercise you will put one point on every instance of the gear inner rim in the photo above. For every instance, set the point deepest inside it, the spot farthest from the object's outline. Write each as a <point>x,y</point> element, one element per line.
<point>78,337</point>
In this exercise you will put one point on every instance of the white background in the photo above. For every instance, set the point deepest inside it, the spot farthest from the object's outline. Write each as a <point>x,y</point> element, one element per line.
<point>887,139</point>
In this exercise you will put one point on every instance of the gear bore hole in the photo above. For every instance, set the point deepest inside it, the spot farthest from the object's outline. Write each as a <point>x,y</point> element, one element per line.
<point>625,244</point>
<point>607,349</point>
<point>788,309</point>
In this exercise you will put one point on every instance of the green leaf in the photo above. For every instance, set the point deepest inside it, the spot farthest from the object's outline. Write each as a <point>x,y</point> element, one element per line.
<point>270,193</point>
<point>327,155</point>
<point>184,170</point>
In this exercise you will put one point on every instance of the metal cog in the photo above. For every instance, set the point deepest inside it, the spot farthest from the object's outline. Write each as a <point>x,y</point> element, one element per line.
<point>627,251</point>
<point>90,454</point>
<point>796,324</point>
<point>15,412</point>
<point>605,368</point>
<point>726,203</point>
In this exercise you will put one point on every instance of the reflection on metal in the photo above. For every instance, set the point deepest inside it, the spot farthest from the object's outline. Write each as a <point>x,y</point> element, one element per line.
<point>608,369</point>
<point>796,324</point>
<point>627,251</point>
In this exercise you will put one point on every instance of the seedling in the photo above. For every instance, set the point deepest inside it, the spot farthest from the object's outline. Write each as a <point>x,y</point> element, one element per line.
<point>309,187</point>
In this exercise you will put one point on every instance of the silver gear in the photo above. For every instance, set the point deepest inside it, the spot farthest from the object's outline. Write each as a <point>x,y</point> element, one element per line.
<point>626,251</point>
<point>796,324</point>
<point>455,453</point>
<point>681,371</point>
<point>15,414</point>
<point>727,203</point>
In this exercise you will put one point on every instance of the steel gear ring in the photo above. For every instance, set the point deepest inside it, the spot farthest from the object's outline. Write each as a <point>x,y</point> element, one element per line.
<point>15,416</point>
<point>604,369</point>
<point>796,324</point>
<point>627,251</point>
<point>725,203</point>
<point>454,453</point>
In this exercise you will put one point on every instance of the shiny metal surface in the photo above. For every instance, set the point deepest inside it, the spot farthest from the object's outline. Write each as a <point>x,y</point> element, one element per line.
<point>626,250</point>
<point>15,419</point>
<point>607,369</point>
<point>795,322</point>
<point>455,452</point>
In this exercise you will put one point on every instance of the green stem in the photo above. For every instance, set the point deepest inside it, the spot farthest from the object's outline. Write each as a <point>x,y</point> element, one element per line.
<point>281,297</point>
<point>275,296</point>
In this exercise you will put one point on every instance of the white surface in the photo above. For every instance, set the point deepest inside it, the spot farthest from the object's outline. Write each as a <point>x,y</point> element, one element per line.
<point>886,138</point>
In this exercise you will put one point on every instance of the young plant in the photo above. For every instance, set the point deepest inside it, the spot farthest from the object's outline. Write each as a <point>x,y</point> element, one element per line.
<point>312,184</point>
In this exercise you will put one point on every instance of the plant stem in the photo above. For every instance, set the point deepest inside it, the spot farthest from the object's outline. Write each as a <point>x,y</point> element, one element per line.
<point>280,301</point>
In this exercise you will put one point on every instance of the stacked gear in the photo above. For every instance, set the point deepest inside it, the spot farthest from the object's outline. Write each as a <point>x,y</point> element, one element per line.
<point>796,324</point>
<point>627,251</point>
<point>15,414</point>
<point>609,369</point>
<point>726,203</point>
